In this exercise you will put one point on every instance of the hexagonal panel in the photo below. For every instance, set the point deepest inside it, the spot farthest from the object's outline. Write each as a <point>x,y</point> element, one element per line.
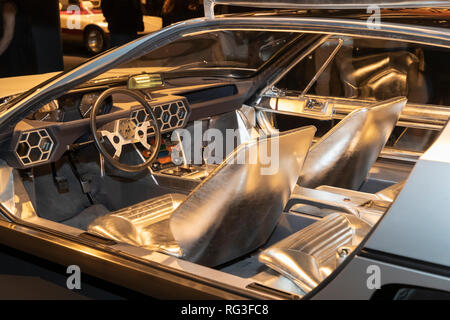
<point>173,121</point>
<point>165,117</point>
<point>43,133</point>
<point>45,156</point>
<point>34,147</point>
<point>139,117</point>
<point>182,112</point>
<point>169,116</point>
<point>157,112</point>
<point>46,144</point>
<point>35,154</point>
<point>173,108</point>
<point>33,139</point>
<point>23,149</point>
<point>24,137</point>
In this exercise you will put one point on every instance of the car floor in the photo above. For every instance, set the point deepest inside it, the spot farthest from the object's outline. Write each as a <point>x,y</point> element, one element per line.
<point>249,266</point>
<point>114,191</point>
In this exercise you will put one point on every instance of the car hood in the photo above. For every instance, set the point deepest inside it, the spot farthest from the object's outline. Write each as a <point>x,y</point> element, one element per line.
<point>16,85</point>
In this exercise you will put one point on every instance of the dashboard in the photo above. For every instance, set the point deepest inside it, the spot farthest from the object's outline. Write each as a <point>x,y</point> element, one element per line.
<point>44,136</point>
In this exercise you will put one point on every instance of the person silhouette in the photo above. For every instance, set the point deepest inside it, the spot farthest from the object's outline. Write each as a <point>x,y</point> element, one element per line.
<point>17,51</point>
<point>125,19</point>
<point>179,10</point>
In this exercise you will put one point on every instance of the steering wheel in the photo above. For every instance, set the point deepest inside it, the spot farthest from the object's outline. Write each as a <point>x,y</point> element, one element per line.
<point>136,126</point>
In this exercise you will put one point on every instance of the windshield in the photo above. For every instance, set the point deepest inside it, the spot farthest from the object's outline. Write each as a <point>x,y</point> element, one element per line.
<point>237,50</point>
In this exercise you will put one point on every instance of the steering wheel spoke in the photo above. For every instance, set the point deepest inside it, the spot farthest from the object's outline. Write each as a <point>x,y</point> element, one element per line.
<point>116,140</point>
<point>117,154</point>
<point>126,131</point>
<point>141,135</point>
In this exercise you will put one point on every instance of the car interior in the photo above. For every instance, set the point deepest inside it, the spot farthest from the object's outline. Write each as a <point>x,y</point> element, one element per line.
<point>118,163</point>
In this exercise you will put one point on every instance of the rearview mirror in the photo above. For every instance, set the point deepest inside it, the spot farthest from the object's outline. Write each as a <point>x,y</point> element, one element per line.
<point>144,81</point>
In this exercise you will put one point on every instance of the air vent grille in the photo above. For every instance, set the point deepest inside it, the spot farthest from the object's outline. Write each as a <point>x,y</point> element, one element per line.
<point>170,116</point>
<point>34,147</point>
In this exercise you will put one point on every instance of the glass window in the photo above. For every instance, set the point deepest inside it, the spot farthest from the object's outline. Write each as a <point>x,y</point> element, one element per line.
<point>238,50</point>
<point>373,69</point>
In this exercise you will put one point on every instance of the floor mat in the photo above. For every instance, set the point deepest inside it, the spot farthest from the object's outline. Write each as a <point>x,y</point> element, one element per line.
<point>84,219</point>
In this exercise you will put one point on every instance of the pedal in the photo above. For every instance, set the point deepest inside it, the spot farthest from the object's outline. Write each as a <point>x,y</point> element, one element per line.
<point>85,184</point>
<point>61,184</point>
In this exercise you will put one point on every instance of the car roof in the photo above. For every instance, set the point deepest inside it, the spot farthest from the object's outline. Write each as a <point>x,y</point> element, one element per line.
<point>330,4</point>
<point>415,12</point>
<point>430,17</point>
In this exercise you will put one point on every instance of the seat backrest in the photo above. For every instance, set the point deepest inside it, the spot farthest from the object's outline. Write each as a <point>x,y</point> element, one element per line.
<point>343,157</point>
<point>235,210</point>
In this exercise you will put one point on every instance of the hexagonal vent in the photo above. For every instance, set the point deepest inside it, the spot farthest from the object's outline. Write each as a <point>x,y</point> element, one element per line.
<point>34,147</point>
<point>170,116</point>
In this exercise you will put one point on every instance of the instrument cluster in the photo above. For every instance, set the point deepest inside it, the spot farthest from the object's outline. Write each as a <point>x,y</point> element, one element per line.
<point>71,107</point>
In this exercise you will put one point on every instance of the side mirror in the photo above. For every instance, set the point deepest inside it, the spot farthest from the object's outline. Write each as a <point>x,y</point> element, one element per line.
<point>144,81</point>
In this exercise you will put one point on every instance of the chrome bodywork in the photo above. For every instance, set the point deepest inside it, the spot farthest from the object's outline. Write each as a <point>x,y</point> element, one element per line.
<point>312,254</point>
<point>417,224</point>
<point>308,4</point>
<point>344,156</point>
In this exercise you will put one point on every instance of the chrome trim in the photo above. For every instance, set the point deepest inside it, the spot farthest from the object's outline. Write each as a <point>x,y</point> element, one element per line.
<point>403,155</point>
<point>323,67</point>
<point>320,4</point>
<point>280,76</point>
<point>421,116</point>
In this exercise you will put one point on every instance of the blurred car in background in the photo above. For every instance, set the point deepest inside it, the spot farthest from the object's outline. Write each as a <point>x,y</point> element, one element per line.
<point>82,22</point>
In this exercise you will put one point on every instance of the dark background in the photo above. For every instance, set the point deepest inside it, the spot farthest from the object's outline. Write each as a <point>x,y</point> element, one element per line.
<point>44,18</point>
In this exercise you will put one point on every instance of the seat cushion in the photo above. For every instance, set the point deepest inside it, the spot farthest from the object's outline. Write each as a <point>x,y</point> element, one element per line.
<point>145,224</point>
<point>310,255</point>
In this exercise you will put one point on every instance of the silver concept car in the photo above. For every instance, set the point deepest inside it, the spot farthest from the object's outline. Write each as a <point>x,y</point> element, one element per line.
<point>301,152</point>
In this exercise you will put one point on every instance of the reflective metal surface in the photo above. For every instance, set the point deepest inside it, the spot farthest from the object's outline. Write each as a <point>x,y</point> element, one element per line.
<point>13,195</point>
<point>391,193</point>
<point>326,200</point>
<point>421,116</point>
<point>310,255</point>
<point>323,202</point>
<point>344,156</point>
<point>323,4</point>
<point>143,225</point>
<point>265,122</point>
<point>231,213</point>
<point>7,187</point>
<point>382,75</point>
